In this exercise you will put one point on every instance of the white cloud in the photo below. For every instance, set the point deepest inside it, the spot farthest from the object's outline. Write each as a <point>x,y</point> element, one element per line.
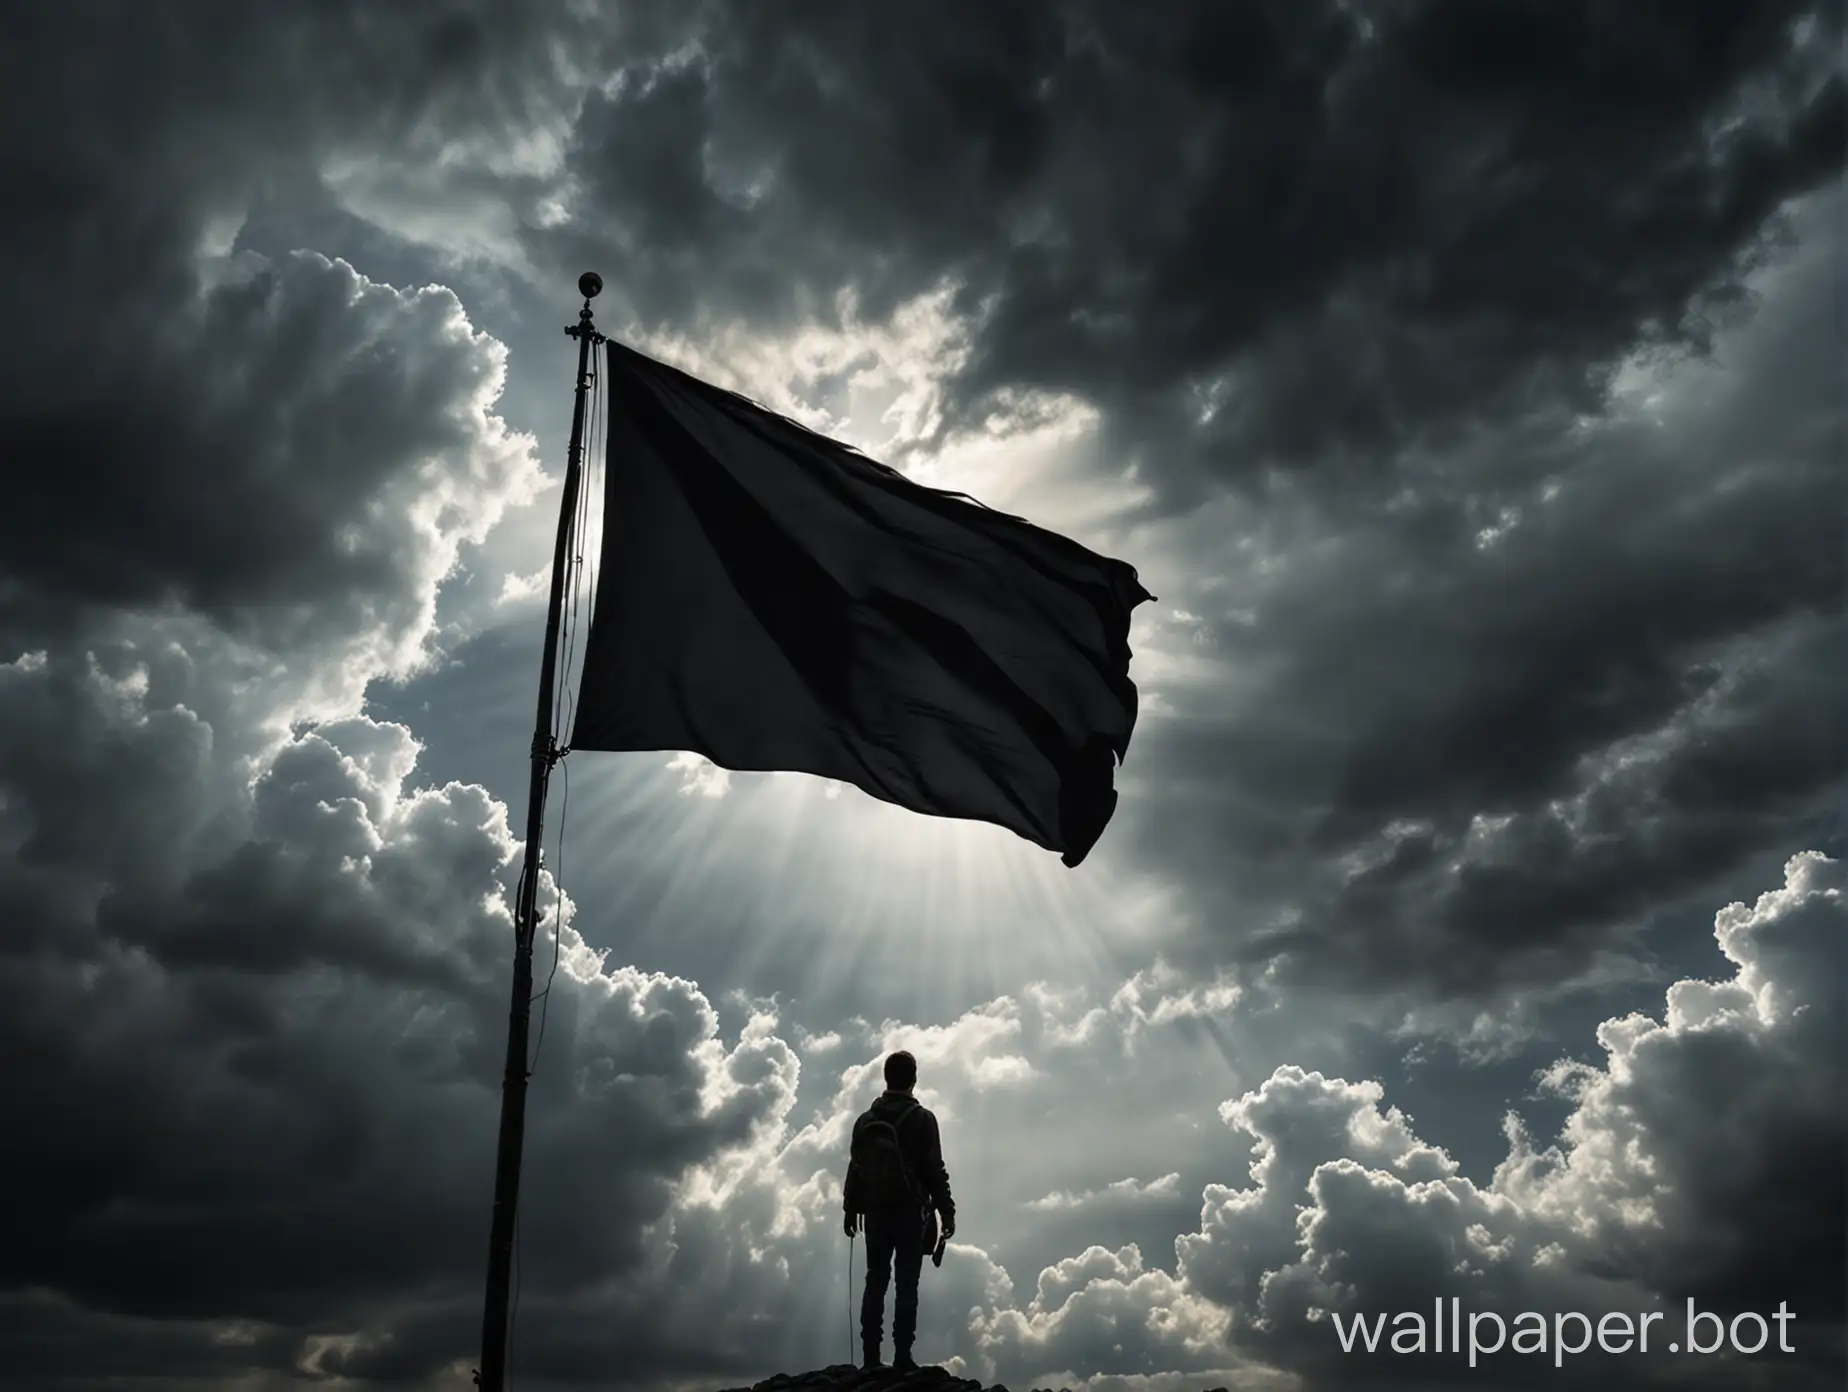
<point>1667,1184</point>
<point>1153,996</point>
<point>1120,1190</point>
<point>522,589</point>
<point>699,776</point>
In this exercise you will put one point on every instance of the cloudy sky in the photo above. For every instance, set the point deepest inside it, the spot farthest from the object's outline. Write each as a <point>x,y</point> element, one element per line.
<point>1465,377</point>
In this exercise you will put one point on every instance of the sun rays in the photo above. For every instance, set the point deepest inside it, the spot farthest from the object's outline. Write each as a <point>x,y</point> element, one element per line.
<point>784,872</point>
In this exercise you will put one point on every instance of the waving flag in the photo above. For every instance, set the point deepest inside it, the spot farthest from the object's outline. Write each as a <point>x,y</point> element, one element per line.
<point>775,600</point>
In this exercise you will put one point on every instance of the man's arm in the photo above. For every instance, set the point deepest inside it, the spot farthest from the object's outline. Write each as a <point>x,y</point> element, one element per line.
<point>850,1188</point>
<point>933,1172</point>
<point>851,1205</point>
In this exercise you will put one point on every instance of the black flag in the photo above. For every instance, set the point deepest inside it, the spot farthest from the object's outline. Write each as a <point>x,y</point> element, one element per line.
<point>774,600</point>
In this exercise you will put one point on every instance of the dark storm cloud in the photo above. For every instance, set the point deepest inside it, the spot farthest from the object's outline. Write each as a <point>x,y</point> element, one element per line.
<point>262,1079</point>
<point>1378,267</point>
<point>129,377</point>
<point>1254,234</point>
<point>185,483</point>
<point>260,983</point>
<point>1573,677</point>
<point>51,1338</point>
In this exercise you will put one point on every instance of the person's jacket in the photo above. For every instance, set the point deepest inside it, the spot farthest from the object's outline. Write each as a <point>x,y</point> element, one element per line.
<point>922,1144</point>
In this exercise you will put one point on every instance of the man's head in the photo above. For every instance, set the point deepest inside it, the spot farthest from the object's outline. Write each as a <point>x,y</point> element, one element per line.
<point>901,1071</point>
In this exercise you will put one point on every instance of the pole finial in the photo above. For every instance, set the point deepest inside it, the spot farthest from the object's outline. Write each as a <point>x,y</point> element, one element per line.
<point>590,285</point>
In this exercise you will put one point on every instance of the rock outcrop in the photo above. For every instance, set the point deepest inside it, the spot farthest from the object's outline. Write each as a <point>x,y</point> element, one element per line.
<point>844,1377</point>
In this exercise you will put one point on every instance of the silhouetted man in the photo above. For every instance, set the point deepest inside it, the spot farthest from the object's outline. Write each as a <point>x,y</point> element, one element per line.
<point>897,1183</point>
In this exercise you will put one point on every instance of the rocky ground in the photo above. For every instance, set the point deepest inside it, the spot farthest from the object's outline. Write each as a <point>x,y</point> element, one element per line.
<point>844,1377</point>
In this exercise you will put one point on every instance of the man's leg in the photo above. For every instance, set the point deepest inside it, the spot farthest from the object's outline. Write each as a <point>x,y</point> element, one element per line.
<point>879,1249</point>
<point>908,1259</point>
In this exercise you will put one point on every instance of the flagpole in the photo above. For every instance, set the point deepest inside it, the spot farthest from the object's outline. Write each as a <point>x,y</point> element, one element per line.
<point>492,1375</point>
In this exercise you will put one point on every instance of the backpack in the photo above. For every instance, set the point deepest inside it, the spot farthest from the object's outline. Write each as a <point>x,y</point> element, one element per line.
<point>886,1178</point>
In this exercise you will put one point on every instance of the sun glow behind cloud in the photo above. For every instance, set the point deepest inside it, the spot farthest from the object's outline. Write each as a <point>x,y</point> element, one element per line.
<point>861,895</point>
<point>826,874</point>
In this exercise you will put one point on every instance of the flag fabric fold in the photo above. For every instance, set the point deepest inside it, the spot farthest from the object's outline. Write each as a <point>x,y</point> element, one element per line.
<point>775,600</point>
